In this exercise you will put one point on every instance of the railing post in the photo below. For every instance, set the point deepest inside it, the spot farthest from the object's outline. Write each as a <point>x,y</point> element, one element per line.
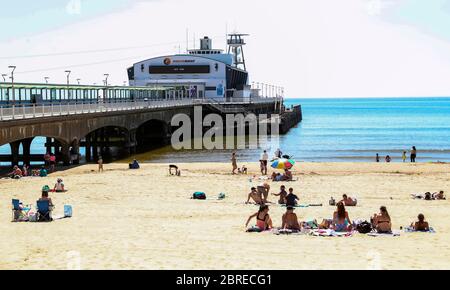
<point>23,111</point>
<point>34,110</point>
<point>60,109</point>
<point>13,111</point>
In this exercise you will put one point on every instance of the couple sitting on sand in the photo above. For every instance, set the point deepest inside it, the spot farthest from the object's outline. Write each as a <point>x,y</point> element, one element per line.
<point>429,196</point>
<point>346,200</point>
<point>264,222</point>
<point>287,176</point>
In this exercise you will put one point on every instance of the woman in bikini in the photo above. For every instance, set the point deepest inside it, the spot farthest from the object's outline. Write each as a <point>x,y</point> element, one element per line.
<point>382,221</point>
<point>341,220</point>
<point>263,220</point>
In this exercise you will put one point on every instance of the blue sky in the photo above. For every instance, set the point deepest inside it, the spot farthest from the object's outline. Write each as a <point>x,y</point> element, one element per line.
<point>330,48</point>
<point>25,17</point>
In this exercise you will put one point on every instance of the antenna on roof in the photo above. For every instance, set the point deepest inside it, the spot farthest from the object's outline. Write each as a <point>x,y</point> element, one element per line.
<point>236,47</point>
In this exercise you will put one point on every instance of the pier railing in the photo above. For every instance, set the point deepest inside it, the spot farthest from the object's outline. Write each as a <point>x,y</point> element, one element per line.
<point>64,109</point>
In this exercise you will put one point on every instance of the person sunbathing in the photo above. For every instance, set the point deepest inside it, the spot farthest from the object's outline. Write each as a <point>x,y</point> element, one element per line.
<point>348,201</point>
<point>59,186</point>
<point>45,197</point>
<point>290,220</point>
<point>341,220</point>
<point>438,195</point>
<point>276,176</point>
<point>283,193</point>
<point>421,225</point>
<point>16,173</point>
<point>256,196</point>
<point>291,198</point>
<point>287,176</point>
<point>263,220</point>
<point>382,221</point>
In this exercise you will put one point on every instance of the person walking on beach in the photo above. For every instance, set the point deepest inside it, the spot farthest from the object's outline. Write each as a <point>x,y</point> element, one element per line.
<point>100,164</point>
<point>404,156</point>
<point>377,158</point>
<point>234,163</point>
<point>413,154</point>
<point>264,159</point>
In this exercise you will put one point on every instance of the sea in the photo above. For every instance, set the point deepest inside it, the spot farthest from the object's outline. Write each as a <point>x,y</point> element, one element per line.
<point>339,130</point>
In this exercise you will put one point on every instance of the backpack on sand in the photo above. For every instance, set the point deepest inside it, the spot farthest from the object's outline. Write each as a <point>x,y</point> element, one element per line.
<point>364,227</point>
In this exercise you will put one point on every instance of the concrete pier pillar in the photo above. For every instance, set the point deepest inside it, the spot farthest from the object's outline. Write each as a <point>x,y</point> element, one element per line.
<point>26,145</point>
<point>75,152</point>
<point>88,148</point>
<point>15,152</point>
<point>131,142</point>
<point>48,144</point>
<point>65,154</point>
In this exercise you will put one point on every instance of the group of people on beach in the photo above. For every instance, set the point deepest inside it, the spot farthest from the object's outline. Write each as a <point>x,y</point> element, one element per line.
<point>341,222</point>
<point>412,156</point>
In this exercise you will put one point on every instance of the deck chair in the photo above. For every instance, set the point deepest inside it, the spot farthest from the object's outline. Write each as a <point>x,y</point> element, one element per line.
<point>17,210</point>
<point>44,211</point>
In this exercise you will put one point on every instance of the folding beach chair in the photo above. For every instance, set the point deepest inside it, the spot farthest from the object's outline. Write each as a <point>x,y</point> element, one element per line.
<point>44,211</point>
<point>17,210</point>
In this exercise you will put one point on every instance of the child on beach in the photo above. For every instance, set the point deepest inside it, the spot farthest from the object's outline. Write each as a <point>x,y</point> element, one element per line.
<point>59,186</point>
<point>404,156</point>
<point>283,193</point>
<point>263,220</point>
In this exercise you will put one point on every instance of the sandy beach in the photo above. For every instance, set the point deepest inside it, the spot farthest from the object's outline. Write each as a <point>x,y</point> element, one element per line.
<point>145,219</point>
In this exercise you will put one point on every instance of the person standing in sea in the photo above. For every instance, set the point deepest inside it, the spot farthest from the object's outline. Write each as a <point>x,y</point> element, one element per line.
<point>377,158</point>
<point>413,154</point>
<point>233,162</point>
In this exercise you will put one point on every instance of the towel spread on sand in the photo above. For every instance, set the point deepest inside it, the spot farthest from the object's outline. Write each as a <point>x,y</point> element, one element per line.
<point>290,232</point>
<point>331,233</point>
<point>412,230</point>
<point>392,234</point>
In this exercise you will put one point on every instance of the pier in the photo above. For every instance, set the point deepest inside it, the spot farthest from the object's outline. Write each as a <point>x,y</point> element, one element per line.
<point>99,125</point>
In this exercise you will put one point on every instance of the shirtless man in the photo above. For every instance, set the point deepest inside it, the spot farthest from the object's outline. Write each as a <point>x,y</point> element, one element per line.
<point>256,196</point>
<point>283,193</point>
<point>421,225</point>
<point>290,220</point>
<point>348,201</point>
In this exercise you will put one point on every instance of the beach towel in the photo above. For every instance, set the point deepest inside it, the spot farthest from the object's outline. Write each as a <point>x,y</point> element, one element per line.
<point>290,232</point>
<point>331,233</point>
<point>412,230</point>
<point>391,234</point>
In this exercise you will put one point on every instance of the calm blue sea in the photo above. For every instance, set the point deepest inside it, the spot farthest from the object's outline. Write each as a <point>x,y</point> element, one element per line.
<point>343,130</point>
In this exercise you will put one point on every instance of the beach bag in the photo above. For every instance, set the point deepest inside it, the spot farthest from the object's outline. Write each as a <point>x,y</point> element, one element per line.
<point>67,211</point>
<point>364,227</point>
<point>199,195</point>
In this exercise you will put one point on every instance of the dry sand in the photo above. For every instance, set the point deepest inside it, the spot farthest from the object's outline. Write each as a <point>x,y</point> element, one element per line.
<point>144,219</point>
